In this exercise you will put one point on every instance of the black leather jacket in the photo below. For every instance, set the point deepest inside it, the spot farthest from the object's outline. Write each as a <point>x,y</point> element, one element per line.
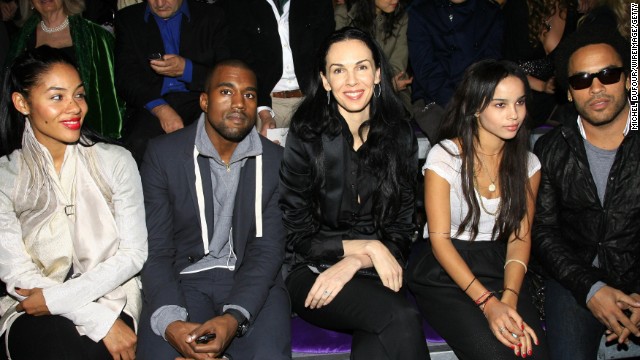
<point>571,227</point>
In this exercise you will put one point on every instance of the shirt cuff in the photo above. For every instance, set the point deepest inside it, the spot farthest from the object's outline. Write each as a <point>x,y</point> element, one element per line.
<point>164,316</point>
<point>260,108</point>
<point>594,289</point>
<point>187,74</point>
<point>239,308</point>
<point>153,103</point>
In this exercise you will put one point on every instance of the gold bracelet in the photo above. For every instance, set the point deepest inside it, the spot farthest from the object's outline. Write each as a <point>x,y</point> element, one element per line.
<point>517,261</point>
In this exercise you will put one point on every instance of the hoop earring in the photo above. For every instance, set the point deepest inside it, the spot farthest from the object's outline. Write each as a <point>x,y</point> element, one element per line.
<point>328,97</point>
<point>379,88</point>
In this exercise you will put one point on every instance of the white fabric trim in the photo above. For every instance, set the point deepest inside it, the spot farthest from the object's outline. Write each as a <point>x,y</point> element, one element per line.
<point>200,199</point>
<point>624,132</point>
<point>259,196</point>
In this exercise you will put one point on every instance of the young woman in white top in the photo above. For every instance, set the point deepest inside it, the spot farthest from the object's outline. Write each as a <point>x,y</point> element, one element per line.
<point>73,232</point>
<point>480,188</point>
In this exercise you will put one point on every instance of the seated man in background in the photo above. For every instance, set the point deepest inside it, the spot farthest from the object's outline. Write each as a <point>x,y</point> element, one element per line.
<point>163,51</point>
<point>216,238</point>
<point>445,37</point>
<point>279,40</point>
<point>586,231</point>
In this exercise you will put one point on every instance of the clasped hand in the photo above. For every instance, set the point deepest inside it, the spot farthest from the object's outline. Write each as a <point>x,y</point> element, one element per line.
<point>330,282</point>
<point>608,304</point>
<point>182,336</point>
<point>509,328</point>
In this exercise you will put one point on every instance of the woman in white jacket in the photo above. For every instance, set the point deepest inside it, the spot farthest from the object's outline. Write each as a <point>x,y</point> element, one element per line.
<point>71,211</point>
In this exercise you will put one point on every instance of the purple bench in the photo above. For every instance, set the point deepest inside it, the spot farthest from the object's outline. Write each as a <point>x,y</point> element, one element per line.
<point>309,339</point>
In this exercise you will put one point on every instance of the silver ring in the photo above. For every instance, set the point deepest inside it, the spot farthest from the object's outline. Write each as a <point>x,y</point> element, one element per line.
<point>502,329</point>
<point>514,335</point>
<point>326,293</point>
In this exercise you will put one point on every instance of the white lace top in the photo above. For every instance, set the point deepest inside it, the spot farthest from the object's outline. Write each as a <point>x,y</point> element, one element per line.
<point>448,167</point>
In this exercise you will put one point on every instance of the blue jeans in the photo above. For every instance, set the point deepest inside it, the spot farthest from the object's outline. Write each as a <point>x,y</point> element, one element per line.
<point>572,330</point>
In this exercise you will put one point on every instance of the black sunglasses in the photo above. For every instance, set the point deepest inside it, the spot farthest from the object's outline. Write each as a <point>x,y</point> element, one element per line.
<point>605,76</point>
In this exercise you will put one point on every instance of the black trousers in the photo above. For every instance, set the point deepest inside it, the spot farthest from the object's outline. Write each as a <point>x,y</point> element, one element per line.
<point>205,293</point>
<point>383,323</point>
<point>52,337</point>
<point>454,315</point>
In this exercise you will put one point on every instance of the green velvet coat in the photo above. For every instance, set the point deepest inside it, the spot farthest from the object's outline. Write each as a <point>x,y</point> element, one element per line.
<point>93,47</point>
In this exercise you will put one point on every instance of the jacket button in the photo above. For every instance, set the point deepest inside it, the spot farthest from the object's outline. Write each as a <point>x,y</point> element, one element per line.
<point>191,259</point>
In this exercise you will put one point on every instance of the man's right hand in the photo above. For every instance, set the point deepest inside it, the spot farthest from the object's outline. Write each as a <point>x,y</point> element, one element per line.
<point>168,117</point>
<point>635,318</point>
<point>267,122</point>
<point>177,333</point>
<point>606,306</point>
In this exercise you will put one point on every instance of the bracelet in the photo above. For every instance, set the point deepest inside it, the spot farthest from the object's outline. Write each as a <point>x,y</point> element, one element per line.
<point>510,289</point>
<point>481,307</point>
<point>517,261</point>
<point>468,286</point>
<point>479,299</point>
<point>485,301</point>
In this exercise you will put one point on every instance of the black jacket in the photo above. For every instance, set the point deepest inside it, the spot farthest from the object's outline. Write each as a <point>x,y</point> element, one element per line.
<point>315,232</point>
<point>203,40</point>
<point>571,227</point>
<point>254,38</point>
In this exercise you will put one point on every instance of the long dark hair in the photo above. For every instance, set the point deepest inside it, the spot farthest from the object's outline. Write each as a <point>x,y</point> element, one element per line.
<point>390,147</point>
<point>365,16</point>
<point>473,95</point>
<point>21,76</point>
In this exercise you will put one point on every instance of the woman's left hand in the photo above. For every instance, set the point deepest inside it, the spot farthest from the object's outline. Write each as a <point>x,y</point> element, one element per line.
<point>121,341</point>
<point>34,304</point>
<point>331,281</point>
<point>509,328</point>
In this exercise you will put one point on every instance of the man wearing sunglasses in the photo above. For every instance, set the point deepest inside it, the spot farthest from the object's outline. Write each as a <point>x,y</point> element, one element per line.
<point>586,231</point>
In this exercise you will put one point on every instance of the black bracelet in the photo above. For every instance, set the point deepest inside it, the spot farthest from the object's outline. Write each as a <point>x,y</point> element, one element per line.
<point>468,286</point>
<point>510,289</point>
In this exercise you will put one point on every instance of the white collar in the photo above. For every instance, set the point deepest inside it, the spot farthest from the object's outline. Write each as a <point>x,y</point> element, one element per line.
<point>626,127</point>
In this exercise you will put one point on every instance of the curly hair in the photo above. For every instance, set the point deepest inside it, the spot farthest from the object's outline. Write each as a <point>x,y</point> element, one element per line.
<point>621,11</point>
<point>539,13</point>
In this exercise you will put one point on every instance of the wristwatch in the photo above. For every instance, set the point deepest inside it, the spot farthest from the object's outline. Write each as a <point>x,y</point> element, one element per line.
<point>243,323</point>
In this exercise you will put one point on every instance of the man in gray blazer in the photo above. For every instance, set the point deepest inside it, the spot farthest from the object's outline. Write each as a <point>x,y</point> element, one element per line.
<point>216,241</point>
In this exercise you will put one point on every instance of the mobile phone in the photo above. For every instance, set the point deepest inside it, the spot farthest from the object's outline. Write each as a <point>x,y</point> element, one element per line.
<point>155,56</point>
<point>205,338</point>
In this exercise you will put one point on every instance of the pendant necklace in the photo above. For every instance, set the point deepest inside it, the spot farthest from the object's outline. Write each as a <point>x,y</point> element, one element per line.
<point>492,186</point>
<point>60,27</point>
<point>475,183</point>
